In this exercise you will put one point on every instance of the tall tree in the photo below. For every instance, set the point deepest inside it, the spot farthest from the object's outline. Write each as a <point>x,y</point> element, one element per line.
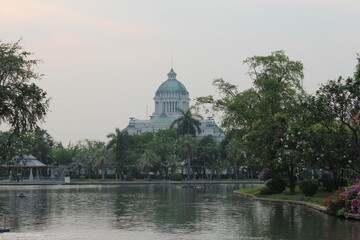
<point>253,113</point>
<point>163,145</point>
<point>119,144</point>
<point>41,145</point>
<point>233,150</point>
<point>206,154</point>
<point>147,161</point>
<point>336,107</point>
<point>22,103</point>
<point>188,123</point>
<point>187,146</point>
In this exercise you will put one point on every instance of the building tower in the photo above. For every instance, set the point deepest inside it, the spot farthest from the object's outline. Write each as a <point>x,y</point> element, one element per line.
<point>170,97</point>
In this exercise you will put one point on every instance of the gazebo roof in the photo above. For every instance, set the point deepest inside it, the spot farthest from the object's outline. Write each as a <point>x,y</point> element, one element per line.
<point>26,161</point>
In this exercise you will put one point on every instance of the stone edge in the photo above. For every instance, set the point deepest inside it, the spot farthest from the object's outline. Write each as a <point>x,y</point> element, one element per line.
<point>307,204</point>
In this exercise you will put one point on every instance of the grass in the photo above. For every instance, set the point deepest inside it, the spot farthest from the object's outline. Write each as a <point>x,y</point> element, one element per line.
<point>318,198</point>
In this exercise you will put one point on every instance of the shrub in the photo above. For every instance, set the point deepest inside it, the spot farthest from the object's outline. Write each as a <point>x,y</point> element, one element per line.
<point>265,191</point>
<point>328,185</point>
<point>276,185</point>
<point>176,177</point>
<point>346,201</point>
<point>334,203</point>
<point>308,187</point>
<point>82,178</point>
<point>264,174</point>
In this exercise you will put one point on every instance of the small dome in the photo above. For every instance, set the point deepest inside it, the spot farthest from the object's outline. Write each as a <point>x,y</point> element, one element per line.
<point>172,85</point>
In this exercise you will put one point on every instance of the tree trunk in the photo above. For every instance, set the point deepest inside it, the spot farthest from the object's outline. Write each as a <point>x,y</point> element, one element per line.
<point>291,179</point>
<point>166,172</point>
<point>236,172</point>
<point>188,168</point>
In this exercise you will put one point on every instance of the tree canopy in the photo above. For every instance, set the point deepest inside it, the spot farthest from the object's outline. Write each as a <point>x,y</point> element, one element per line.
<point>22,103</point>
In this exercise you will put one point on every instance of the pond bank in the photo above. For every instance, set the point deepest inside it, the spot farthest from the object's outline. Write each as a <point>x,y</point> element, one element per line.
<point>307,204</point>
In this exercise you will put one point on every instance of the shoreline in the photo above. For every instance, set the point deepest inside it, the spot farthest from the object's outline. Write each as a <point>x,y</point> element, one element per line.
<point>314,206</point>
<point>162,182</point>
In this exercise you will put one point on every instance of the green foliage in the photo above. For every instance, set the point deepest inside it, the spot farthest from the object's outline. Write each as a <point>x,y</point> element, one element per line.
<point>234,154</point>
<point>351,195</point>
<point>265,191</point>
<point>187,146</point>
<point>147,162</point>
<point>276,185</point>
<point>187,123</point>
<point>118,144</point>
<point>219,166</point>
<point>206,154</point>
<point>308,187</point>
<point>22,103</point>
<point>280,126</point>
<point>176,177</point>
<point>335,109</point>
<point>62,155</point>
<point>335,203</point>
<point>163,145</point>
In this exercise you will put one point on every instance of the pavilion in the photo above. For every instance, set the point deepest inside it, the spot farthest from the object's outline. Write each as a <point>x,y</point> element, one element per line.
<point>27,162</point>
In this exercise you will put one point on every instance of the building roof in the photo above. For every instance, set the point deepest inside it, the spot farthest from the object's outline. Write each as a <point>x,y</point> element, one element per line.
<point>26,161</point>
<point>172,85</point>
<point>163,118</point>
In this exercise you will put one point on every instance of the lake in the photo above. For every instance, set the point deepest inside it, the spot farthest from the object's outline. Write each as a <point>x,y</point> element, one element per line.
<point>159,212</point>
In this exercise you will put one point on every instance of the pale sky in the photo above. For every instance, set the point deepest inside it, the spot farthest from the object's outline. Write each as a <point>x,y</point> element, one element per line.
<point>103,60</point>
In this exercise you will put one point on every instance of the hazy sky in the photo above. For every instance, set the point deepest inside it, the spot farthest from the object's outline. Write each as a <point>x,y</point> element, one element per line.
<point>104,60</point>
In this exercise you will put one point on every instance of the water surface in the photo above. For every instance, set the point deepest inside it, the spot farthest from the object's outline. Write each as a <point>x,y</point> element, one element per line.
<point>160,212</point>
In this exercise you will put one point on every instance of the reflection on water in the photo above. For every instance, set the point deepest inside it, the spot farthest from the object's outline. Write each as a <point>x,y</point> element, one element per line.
<point>159,212</point>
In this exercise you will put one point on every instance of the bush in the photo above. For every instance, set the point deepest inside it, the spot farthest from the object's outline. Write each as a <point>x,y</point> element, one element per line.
<point>308,187</point>
<point>328,185</point>
<point>265,191</point>
<point>82,178</point>
<point>264,174</point>
<point>276,185</point>
<point>350,196</point>
<point>176,177</point>
<point>334,203</point>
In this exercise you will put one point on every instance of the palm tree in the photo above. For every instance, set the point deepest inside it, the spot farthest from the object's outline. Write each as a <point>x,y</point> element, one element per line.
<point>233,151</point>
<point>219,166</point>
<point>118,142</point>
<point>101,157</point>
<point>187,124</point>
<point>147,161</point>
<point>172,162</point>
<point>187,146</point>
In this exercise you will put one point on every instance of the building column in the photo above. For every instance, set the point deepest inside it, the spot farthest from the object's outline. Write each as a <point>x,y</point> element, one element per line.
<point>31,177</point>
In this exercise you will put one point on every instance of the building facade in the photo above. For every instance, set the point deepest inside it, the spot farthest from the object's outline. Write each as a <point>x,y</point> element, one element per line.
<point>171,96</point>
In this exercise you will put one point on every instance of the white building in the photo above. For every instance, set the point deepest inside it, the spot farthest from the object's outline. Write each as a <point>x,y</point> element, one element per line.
<point>169,97</point>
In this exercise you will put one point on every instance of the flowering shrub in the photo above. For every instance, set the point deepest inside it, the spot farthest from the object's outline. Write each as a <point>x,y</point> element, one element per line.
<point>355,204</point>
<point>346,201</point>
<point>264,174</point>
<point>353,188</point>
<point>353,198</point>
<point>334,203</point>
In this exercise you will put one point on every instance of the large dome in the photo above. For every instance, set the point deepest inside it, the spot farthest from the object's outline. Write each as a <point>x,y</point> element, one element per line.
<point>172,85</point>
